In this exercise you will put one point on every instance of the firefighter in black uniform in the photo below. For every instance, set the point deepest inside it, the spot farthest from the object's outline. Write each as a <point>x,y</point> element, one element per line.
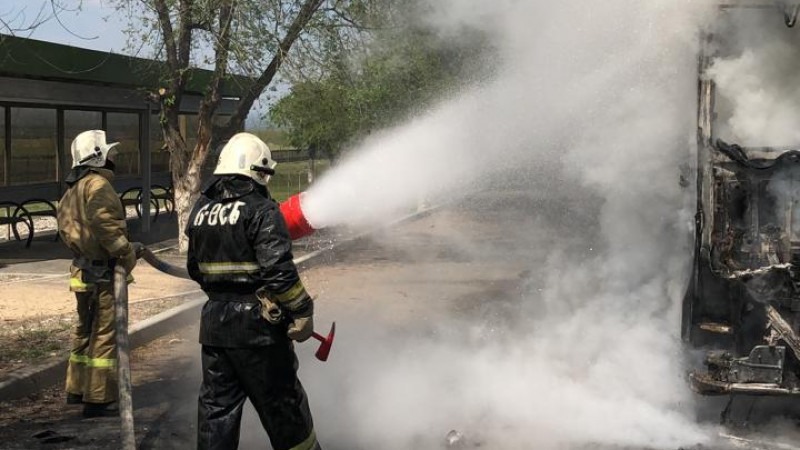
<point>241,254</point>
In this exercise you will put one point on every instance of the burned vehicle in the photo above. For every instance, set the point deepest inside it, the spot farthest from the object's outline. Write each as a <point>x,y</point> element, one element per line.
<point>745,292</point>
<point>743,301</point>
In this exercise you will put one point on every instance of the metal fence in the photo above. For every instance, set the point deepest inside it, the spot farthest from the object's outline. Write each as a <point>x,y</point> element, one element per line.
<point>295,176</point>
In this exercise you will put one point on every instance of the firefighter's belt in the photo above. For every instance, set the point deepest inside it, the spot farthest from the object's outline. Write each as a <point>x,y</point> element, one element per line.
<point>95,271</point>
<point>84,262</point>
<point>243,297</point>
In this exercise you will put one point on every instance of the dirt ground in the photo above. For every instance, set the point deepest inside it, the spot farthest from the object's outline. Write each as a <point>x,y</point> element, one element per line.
<point>37,310</point>
<point>398,285</point>
<point>395,278</point>
<point>45,421</point>
<point>28,290</point>
<point>32,341</point>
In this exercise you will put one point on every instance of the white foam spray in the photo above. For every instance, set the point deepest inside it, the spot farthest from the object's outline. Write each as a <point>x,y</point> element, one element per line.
<point>603,95</point>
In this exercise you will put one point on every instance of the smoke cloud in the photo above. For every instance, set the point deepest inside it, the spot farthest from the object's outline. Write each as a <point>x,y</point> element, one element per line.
<point>755,74</point>
<point>596,101</point>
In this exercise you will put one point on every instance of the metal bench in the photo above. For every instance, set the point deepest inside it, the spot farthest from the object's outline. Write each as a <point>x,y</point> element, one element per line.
<point>16,214</point>
<point>133,197</point>
<point>48,210</point>
<point>166,196</point>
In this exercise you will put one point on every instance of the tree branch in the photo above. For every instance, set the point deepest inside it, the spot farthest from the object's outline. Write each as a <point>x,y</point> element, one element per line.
<point>39,19</point>
<point>185,23</point>
<point>349,22</point>
<point>246,103</point>
<point>56,8</point>
<point>213,96</point>
<point>169,34</point>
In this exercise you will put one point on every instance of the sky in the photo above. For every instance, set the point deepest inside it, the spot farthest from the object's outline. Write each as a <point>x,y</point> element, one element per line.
<point>94,24</point>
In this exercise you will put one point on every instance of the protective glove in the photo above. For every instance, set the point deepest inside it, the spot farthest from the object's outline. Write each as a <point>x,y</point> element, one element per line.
<point>301,311</point>
<point>298,307</point>
<point>269,309</point>
<point>138,249</point>
<point>128,261</point>
<point>301,328</point>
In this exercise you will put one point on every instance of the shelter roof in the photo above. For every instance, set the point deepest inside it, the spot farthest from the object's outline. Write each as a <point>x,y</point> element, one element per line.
<point>35,59</point>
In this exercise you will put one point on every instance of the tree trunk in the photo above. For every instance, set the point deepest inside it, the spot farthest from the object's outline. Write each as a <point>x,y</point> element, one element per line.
<point>187,185</point>
<point>187,189</point>
<point>186,164</point>
<point>185,179</point>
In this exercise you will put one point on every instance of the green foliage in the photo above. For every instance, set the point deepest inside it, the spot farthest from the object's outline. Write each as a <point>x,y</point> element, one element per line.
<point>402,72</point>
<point>275,138</point>
<point>256,29</point>
<point>253,39</point>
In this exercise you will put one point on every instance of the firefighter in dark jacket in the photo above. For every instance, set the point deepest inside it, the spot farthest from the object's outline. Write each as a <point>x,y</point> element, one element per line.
<point>241,254</point>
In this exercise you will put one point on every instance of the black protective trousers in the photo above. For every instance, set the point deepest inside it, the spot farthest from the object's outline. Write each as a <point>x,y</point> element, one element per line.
<point>268,377</point>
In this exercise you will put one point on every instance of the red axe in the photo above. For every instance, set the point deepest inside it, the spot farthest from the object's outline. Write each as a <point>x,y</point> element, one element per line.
<point>326,343</point>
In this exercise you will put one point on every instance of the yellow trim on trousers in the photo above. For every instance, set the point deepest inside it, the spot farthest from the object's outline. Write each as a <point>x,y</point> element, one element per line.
<point>90,371</point>
<point>308,444</point>
<point>92,362</point>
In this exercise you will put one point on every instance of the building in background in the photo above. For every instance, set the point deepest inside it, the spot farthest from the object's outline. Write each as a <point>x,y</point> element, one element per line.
<point>50,92</point>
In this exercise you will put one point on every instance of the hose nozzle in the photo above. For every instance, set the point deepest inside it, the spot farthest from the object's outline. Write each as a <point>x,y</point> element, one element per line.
<point>295,219</point>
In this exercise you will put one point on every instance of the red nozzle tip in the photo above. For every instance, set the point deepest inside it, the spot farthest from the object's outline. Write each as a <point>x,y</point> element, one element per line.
<point>295,220</point>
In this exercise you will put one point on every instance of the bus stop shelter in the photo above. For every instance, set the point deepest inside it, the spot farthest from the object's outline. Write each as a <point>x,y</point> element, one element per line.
<point>51,92</point>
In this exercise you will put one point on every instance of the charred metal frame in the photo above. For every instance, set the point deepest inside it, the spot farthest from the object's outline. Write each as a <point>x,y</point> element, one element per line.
<point>743,298</point>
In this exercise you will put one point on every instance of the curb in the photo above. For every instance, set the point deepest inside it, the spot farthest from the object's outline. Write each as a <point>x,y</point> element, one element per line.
<point>29,380</point>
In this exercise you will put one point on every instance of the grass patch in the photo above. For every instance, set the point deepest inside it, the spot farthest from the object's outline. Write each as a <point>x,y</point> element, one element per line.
<point>32,344</point>
<point>33,340</point>
<point>30,341</point>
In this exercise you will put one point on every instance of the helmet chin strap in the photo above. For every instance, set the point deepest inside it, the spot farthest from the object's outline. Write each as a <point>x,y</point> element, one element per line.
<point>262,169</point>
<point>96,154</point>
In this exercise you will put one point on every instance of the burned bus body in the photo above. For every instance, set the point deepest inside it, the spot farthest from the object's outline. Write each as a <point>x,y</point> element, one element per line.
<point>745,296</point>
<point>743,301</point>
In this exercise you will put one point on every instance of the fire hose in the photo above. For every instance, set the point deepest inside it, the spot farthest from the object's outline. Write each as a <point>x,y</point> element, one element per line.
<point>123,357</point>
<point>163,266</point>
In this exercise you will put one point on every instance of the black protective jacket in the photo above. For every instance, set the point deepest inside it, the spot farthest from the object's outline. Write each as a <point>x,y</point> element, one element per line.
<point>238,243</point>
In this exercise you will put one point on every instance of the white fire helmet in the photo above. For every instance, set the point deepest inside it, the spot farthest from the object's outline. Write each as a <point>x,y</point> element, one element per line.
<point>91,149</point>
<point>246,154</point>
